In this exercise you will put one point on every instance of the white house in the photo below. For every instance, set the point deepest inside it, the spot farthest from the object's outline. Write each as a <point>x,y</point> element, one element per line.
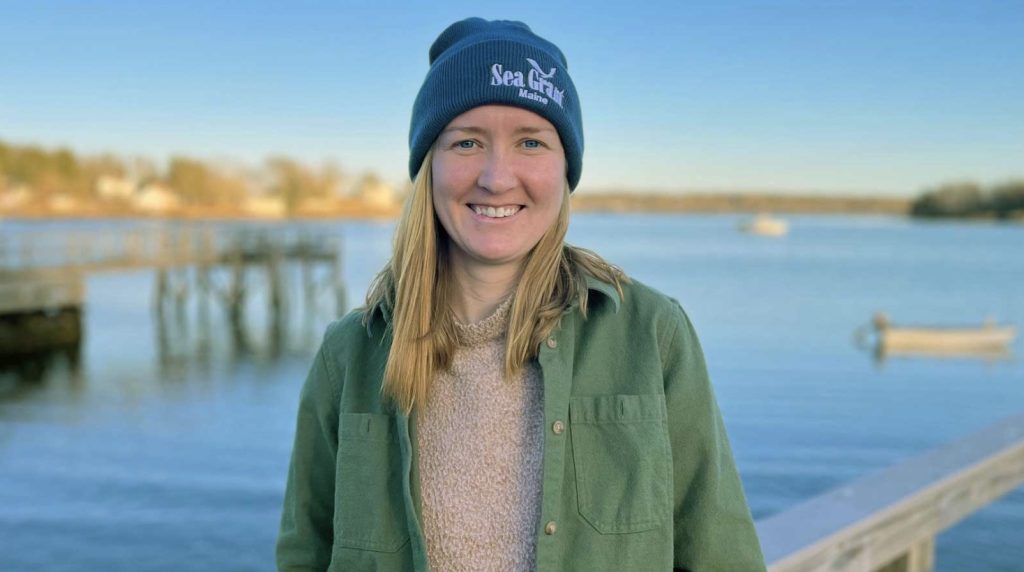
<point>15,196</point>
<point>265,206</point>
<point>156,198</point>
<point>109,187</point>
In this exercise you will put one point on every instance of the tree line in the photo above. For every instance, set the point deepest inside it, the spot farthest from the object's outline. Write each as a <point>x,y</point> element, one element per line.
<point>199,183</point>
<point>970,200</point>
<point>196,182</point>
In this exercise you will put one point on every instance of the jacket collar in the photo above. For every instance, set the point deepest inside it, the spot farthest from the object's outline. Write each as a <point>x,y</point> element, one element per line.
<point>608,290</point>
<point>382,311</point>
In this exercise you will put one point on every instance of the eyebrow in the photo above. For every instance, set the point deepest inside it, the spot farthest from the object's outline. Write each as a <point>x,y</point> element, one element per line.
<point>529,129</point>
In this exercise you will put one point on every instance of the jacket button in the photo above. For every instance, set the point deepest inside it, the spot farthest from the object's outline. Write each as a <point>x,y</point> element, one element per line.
<point>552,343</point>
<point>558,427</point>
<point>550,528</point>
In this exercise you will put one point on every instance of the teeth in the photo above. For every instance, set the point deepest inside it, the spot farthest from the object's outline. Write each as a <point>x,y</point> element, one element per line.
<point>493,212</point>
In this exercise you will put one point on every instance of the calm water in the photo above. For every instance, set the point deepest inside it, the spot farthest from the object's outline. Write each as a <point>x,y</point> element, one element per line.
<point>145,454</point>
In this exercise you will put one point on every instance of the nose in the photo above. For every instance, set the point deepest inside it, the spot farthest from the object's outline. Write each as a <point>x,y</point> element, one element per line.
<point>497,174</point>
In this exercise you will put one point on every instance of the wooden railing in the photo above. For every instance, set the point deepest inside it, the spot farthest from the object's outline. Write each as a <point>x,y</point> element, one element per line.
<point>888,521</point>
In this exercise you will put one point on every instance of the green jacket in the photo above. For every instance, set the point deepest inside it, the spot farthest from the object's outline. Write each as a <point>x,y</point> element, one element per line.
<point>637,470</point>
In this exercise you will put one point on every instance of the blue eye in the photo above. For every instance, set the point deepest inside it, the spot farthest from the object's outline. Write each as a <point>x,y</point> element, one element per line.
<point>532,144</point>
<point>465,144</point>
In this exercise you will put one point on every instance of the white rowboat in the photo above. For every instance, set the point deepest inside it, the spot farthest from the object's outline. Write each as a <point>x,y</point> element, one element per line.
<point>988,337</point>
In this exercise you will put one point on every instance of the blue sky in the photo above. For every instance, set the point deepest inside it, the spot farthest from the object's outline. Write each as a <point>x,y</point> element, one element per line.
<point>830,97</point>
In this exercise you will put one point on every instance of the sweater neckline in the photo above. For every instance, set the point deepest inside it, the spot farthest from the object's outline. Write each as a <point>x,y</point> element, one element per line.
<point>487,329</point>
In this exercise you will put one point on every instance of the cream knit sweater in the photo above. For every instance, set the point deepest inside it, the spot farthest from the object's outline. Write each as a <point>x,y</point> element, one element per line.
<point>480,441</point>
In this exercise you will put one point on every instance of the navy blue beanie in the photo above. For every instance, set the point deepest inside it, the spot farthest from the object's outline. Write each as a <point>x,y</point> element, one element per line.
<point>475,62</point>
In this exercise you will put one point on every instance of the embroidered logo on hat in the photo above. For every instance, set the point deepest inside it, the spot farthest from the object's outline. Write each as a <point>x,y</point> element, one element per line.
<point>535,85</point>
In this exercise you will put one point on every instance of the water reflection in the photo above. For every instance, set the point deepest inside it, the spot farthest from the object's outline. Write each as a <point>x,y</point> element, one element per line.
<point>187,340</point>
<point>989,356</point>
<point>23,374</point>
<point>185,336</point>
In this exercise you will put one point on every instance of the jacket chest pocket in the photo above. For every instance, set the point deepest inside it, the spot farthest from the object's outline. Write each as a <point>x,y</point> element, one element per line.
<point>368,510</point>
<point>622,458</point>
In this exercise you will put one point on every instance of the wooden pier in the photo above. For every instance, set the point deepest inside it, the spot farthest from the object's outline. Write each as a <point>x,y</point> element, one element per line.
<point>42,275</point>
<point>887,522</point>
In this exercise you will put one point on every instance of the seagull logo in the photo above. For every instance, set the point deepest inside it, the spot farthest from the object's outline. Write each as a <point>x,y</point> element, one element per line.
<point>535,84</point>
<point>540,70</point>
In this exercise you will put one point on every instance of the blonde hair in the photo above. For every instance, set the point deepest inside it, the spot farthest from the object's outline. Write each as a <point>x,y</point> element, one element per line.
<point>417,283</point>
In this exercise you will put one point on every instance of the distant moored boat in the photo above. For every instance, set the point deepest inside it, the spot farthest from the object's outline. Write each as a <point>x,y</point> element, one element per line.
<point>986,338</point>
<point>765,225</point>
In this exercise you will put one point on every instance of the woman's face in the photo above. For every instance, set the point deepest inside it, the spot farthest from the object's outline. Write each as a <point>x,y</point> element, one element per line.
<point>499,182</point>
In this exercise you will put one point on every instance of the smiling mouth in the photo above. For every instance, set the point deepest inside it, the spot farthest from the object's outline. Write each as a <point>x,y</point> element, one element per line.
<point>496,212</point>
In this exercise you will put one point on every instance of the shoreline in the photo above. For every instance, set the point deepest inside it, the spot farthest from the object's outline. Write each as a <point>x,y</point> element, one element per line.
<point>749,203</point>
<point>581,202</point>
<point>604,203</point>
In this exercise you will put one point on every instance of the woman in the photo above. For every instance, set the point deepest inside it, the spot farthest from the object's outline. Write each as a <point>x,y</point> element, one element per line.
<point>505,401</point>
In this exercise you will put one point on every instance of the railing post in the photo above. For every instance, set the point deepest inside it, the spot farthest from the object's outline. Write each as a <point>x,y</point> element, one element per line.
<point>921,557</point>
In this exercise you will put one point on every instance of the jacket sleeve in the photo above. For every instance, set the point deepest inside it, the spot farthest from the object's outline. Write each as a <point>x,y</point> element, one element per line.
<point>713,528</point>
<point>305,538</point>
